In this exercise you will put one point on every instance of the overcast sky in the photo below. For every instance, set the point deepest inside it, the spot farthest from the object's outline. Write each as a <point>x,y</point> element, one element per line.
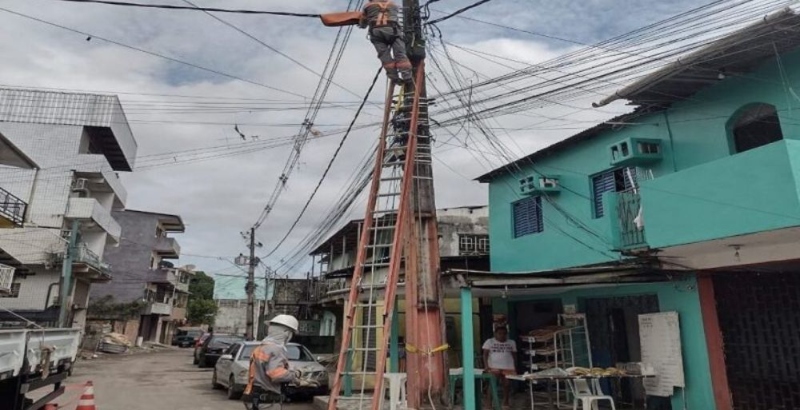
<point>219,198</point>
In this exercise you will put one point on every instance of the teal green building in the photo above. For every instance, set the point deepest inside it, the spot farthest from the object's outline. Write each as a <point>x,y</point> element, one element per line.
<point>689,204</point>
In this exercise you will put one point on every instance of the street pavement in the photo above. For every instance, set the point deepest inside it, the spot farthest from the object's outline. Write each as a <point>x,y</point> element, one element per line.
<point>164,380</point>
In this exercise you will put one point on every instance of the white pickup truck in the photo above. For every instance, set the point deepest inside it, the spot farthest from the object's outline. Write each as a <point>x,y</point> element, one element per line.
<point>31,359</point>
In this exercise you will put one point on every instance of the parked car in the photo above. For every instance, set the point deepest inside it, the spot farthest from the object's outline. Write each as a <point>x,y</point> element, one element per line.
<point>186,337</point>
<point>213,347</point>
<point>197,347</point>
<point>232,369</point>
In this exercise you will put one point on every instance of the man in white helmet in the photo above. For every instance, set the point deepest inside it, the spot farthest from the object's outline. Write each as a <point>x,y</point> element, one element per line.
<point>269,366</point>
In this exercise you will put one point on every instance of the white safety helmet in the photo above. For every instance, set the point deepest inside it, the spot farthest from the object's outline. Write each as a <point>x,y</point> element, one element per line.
<point>287,321</point>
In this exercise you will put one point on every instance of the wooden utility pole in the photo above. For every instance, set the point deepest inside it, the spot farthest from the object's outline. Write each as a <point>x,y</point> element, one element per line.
<point>251,285</point>
<point>424,314</point>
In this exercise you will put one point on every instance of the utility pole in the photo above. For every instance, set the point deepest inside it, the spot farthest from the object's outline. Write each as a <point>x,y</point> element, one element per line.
<point>65,284</point>
<point>424,302</point>
<point>251,285</point>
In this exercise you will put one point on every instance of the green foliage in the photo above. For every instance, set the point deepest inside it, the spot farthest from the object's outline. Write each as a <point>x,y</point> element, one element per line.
<point>105,308</point>
<point>201,286</point>
<point>201,311</point>
<point>201,308</point>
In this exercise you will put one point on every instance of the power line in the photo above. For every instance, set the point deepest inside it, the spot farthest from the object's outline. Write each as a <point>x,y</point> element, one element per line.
<point>328,168</point>
<point>152,53</point>
<point>457,12</point>
<point>206,9</point>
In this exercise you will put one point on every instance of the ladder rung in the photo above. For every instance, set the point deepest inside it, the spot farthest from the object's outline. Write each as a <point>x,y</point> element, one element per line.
<point>358,305</point>
<point>365,327</point>
<point>382,228</point>
<point>379,246</point>
<point>359,373</point>
<point>376,265</point>
<point>364,349</point>
<point>388,194</point>
<point>392,179</point>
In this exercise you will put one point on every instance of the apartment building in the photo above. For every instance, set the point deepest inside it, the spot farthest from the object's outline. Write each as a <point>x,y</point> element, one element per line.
<point>143,273</point>
<point>69,149</point>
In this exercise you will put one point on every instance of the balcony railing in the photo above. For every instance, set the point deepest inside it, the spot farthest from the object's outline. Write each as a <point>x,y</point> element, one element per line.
<point>85,255</point>
<point>12,208</point>
<point>630,220</point>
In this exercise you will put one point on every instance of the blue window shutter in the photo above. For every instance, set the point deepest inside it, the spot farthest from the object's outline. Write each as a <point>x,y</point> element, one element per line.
<point>601,184</point>
<point>527,215</point>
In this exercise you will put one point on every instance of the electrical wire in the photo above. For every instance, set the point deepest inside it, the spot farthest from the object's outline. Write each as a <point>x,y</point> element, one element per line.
<point>151,53</point>
<point>328,167</point>
<point>207,9</point>
<point>457,12</point>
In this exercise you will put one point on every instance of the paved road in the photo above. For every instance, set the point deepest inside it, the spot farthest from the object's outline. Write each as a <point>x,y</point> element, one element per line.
<point>153,381</point>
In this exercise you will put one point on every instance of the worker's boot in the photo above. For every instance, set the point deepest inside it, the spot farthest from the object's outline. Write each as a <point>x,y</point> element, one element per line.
<point>392,74</point>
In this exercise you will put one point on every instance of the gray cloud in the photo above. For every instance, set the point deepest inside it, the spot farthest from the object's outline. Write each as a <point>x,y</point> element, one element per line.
<point>221,197</point>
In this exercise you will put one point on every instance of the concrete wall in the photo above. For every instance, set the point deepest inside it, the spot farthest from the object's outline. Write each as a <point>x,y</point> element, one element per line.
<point>130,261</point>
<point>33,291</point>
<point>232,316</point>
<point>694,134</point>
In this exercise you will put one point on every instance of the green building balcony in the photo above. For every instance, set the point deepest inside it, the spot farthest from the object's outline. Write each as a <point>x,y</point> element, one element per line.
<point>733,210</point>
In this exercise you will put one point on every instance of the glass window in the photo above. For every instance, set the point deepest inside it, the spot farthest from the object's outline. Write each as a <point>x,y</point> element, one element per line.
<point>247,352</point>
<point>298,353</point>
<point>224,340</point>
<point>756,126</point>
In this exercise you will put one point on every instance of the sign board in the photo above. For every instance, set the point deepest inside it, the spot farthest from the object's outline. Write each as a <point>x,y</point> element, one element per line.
<point>660,338</point>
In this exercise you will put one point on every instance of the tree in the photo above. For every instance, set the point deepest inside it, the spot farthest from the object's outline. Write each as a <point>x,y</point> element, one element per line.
<point>201,308</point>
<point>201,286</point>
<point>202,311</point>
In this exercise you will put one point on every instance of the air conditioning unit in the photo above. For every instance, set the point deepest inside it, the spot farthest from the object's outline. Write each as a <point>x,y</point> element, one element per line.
<point>635,151</point>
<point>6,278</point>
<point>537,184</point>
<point>81,187</point>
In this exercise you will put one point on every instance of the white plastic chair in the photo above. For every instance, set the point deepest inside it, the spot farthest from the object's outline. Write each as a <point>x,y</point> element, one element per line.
<point>396,383</point>
<point>589,399</point>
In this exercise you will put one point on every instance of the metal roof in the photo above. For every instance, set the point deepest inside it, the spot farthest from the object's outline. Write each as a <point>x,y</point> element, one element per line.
<point>739,53</point>
<point>170,222</point>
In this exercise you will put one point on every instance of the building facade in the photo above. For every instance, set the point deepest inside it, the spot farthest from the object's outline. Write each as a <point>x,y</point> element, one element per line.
<point>143,273</point>
<point>463,244</point>
<point>689,204</point>
<point>78,144</point>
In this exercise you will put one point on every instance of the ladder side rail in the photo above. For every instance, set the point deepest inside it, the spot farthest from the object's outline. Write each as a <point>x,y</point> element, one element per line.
<point>361,255</point>
<point>400,233</point>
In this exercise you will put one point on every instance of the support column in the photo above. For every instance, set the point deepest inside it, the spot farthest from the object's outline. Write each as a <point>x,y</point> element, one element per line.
<point>714,342</point>
<point>467,348</point>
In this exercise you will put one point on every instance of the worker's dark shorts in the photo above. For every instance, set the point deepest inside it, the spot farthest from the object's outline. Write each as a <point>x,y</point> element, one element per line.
<point>261,396</point>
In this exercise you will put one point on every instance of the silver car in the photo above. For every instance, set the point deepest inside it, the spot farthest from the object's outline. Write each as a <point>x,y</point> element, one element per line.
<point>233,366</point>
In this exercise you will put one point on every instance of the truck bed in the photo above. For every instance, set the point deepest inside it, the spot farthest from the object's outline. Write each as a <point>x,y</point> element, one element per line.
<point>15,344</point>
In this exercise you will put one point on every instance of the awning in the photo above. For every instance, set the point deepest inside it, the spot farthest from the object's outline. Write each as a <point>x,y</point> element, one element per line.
<point>554,281</point>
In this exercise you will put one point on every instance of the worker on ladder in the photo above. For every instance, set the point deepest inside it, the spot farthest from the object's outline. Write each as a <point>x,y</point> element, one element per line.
<point>383,19</point>
<point>269,366</point>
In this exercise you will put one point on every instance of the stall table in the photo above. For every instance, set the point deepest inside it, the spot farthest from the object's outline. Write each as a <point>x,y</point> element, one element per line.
<point>532,379</point>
